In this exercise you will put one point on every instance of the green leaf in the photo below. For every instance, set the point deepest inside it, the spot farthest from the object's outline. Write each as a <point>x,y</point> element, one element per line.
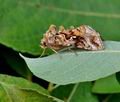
<point>113,98</point>
<point>80,92</point>
<point>13,89</point>
<point>107,85</point>
<point>22,23</point>
<point>21,83</point>
<point>66,67</point>
<point>62,91</point>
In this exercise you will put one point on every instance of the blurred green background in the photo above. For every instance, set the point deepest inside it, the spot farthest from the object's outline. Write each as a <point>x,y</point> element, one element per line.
<point>23,22</point>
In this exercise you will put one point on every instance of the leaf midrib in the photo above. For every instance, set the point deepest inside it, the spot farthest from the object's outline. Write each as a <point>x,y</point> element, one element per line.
<point>88,52</point>
<point>2,84</point>
<point>71,11</point>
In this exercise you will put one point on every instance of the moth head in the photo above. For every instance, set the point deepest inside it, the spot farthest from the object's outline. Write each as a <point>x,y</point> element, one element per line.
<point>43,43</point>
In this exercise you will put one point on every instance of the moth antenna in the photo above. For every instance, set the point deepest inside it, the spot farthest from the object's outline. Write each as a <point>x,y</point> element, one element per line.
<point>44,49</point>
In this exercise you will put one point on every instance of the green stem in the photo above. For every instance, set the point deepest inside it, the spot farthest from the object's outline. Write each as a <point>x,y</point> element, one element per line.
<point>29,77</point>
<point>50,87</point>
<point>107,98</point>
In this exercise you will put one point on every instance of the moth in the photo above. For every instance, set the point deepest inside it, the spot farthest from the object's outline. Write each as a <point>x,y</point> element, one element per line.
<point>87,38</point>
<point>83,37</point>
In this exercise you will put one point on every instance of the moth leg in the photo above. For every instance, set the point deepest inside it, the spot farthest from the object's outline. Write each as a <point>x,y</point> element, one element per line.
<point>70,49</point>
<point>73,51</point>
<point>54,51</point>
<point>44,49</point>
<point>57,53</point>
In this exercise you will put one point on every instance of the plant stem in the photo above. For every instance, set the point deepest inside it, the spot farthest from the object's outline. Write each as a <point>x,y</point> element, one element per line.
<point>50,87</point>
<point>72,92</point>
<point>107,98</point>
<point>29,77</point>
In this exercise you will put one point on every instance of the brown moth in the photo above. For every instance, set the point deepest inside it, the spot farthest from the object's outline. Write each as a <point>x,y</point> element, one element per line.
<point>56,39</point>
<point>87,38</point>
<point>83,37</point>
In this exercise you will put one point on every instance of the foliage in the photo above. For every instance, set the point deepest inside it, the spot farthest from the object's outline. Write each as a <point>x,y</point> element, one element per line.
<point>22,25</point>
<point>67,67</point>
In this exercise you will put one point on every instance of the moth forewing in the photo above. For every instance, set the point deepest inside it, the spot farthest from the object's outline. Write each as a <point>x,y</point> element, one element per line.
<point>91,38</point>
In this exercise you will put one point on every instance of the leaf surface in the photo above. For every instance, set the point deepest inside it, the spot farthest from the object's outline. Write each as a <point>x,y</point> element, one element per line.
<point>13,89</point>
<point>80,92</point>
<point>107,85</point>
<point>67,67</point>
